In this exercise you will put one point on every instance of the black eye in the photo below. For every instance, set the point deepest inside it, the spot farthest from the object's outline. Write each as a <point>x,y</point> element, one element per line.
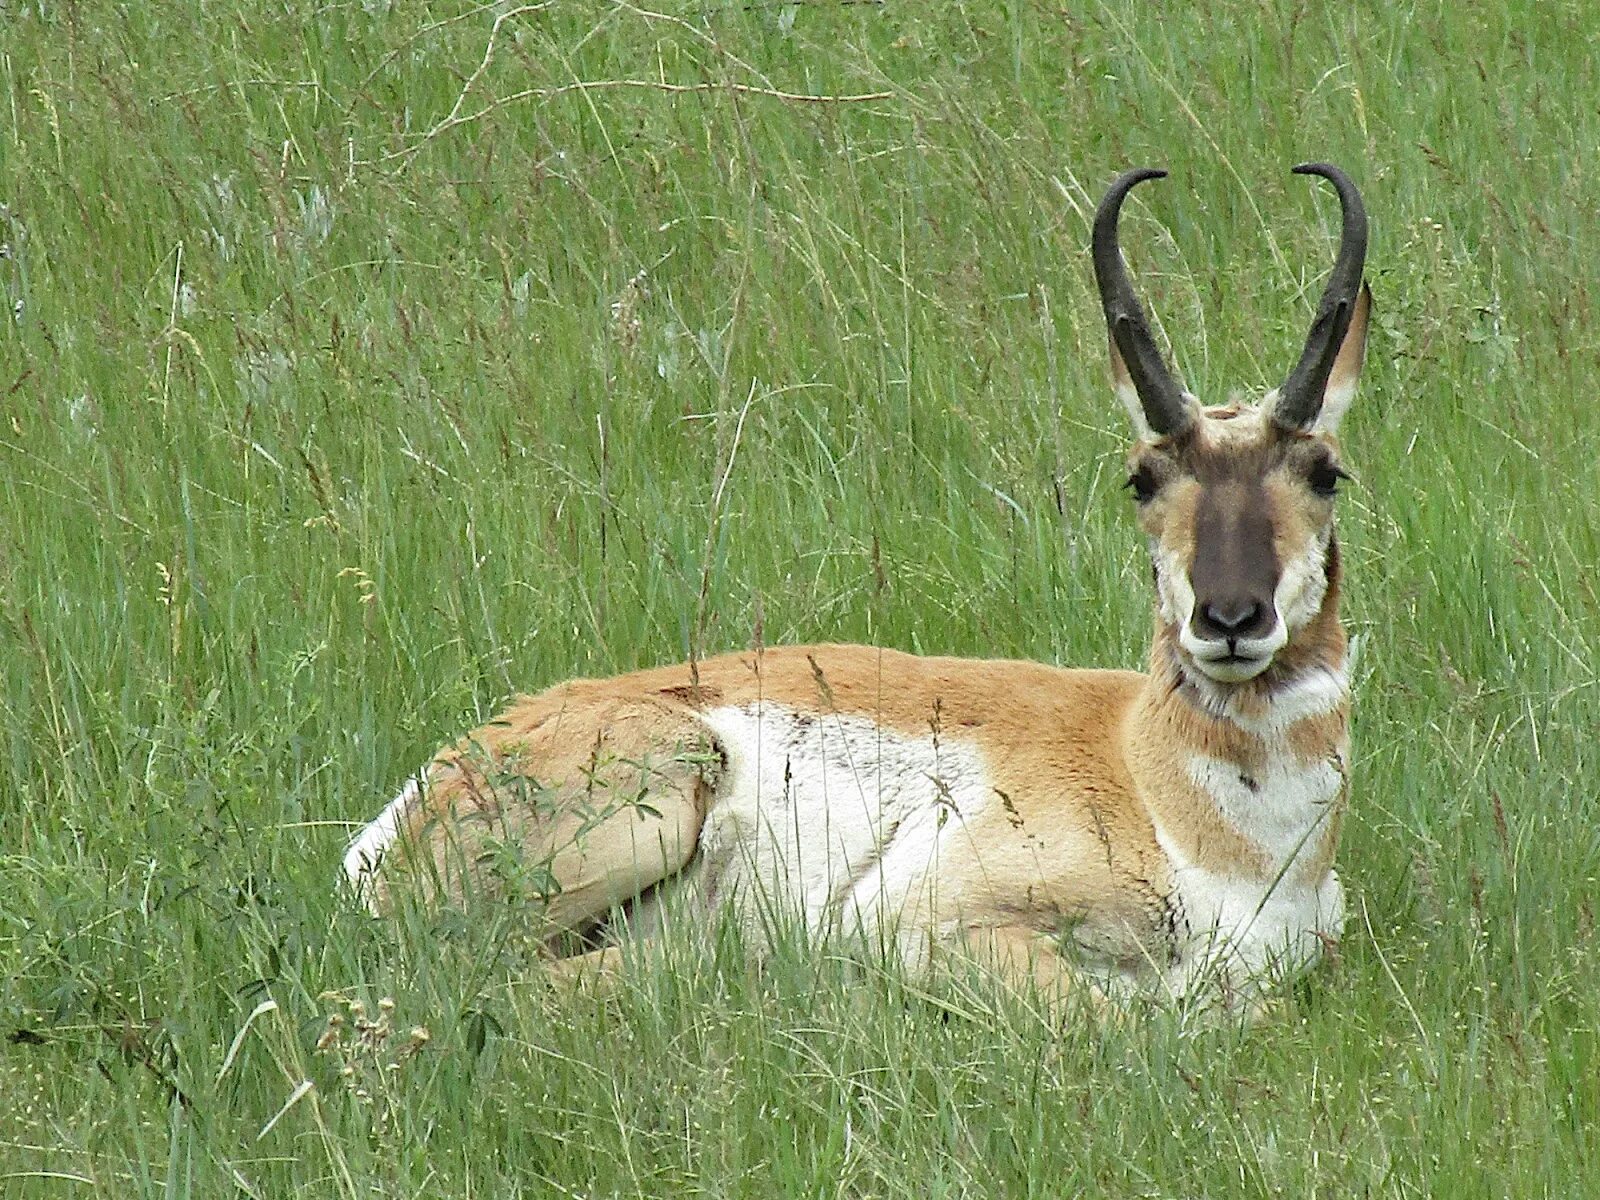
<point>1324,478</point>
<point>1143,484</point>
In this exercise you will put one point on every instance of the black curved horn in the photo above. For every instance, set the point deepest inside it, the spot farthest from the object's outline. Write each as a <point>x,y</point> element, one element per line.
<point>1164,405</point>
<point>1300,397</point>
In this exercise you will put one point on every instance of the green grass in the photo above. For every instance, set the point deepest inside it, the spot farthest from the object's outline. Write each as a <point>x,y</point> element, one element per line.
<point>320,435</point>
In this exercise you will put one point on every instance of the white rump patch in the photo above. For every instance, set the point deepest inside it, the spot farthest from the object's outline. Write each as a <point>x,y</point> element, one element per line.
<point>365,853</point>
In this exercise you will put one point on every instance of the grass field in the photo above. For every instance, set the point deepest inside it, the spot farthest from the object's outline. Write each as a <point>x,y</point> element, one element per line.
<point>370,361</point>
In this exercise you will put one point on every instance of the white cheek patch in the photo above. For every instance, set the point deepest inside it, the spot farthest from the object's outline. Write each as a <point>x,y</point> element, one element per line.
<point>1174,593</point>
<point>1304,584</point>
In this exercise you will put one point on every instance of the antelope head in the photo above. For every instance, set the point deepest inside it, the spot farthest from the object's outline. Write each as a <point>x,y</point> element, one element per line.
<point>1237,500</point>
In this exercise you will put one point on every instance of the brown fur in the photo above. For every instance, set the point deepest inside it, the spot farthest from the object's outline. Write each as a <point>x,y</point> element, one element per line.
<point>1081,760</point>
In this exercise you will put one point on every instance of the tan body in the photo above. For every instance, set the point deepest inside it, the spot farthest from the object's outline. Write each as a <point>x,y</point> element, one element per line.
<point>1053,863</point>
<point>1173,831</point>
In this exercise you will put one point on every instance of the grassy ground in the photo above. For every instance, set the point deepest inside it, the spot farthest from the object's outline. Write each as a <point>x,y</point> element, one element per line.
<point>373,360</point>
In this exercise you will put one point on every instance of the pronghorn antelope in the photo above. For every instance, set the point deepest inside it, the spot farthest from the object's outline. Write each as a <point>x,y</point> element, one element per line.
<point>1085,830</point>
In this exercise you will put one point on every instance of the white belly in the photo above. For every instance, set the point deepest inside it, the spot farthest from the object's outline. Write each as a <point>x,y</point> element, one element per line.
<point>834,820</point>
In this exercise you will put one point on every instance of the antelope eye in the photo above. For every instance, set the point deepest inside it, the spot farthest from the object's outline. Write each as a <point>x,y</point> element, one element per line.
<point>1143,484</point>
<point>1324,478</point>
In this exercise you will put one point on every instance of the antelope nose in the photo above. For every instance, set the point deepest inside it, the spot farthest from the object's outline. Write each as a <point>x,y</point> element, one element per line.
<point>1240,616</point>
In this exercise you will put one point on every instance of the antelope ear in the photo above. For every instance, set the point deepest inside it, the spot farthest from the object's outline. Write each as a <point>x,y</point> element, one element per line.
<point>1341,387</point>
<point>1122,384</point>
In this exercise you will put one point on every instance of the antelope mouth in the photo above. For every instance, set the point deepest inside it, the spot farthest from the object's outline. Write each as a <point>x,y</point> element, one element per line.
<point>1226,664</point>
<point>1231,659</point>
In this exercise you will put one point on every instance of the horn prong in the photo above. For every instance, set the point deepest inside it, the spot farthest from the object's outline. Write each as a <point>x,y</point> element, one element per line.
<point>1301,396</point>
<point>1166,410</point>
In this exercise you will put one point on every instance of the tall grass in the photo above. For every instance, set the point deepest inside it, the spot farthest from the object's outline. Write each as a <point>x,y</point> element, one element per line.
<point>347,392</point>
